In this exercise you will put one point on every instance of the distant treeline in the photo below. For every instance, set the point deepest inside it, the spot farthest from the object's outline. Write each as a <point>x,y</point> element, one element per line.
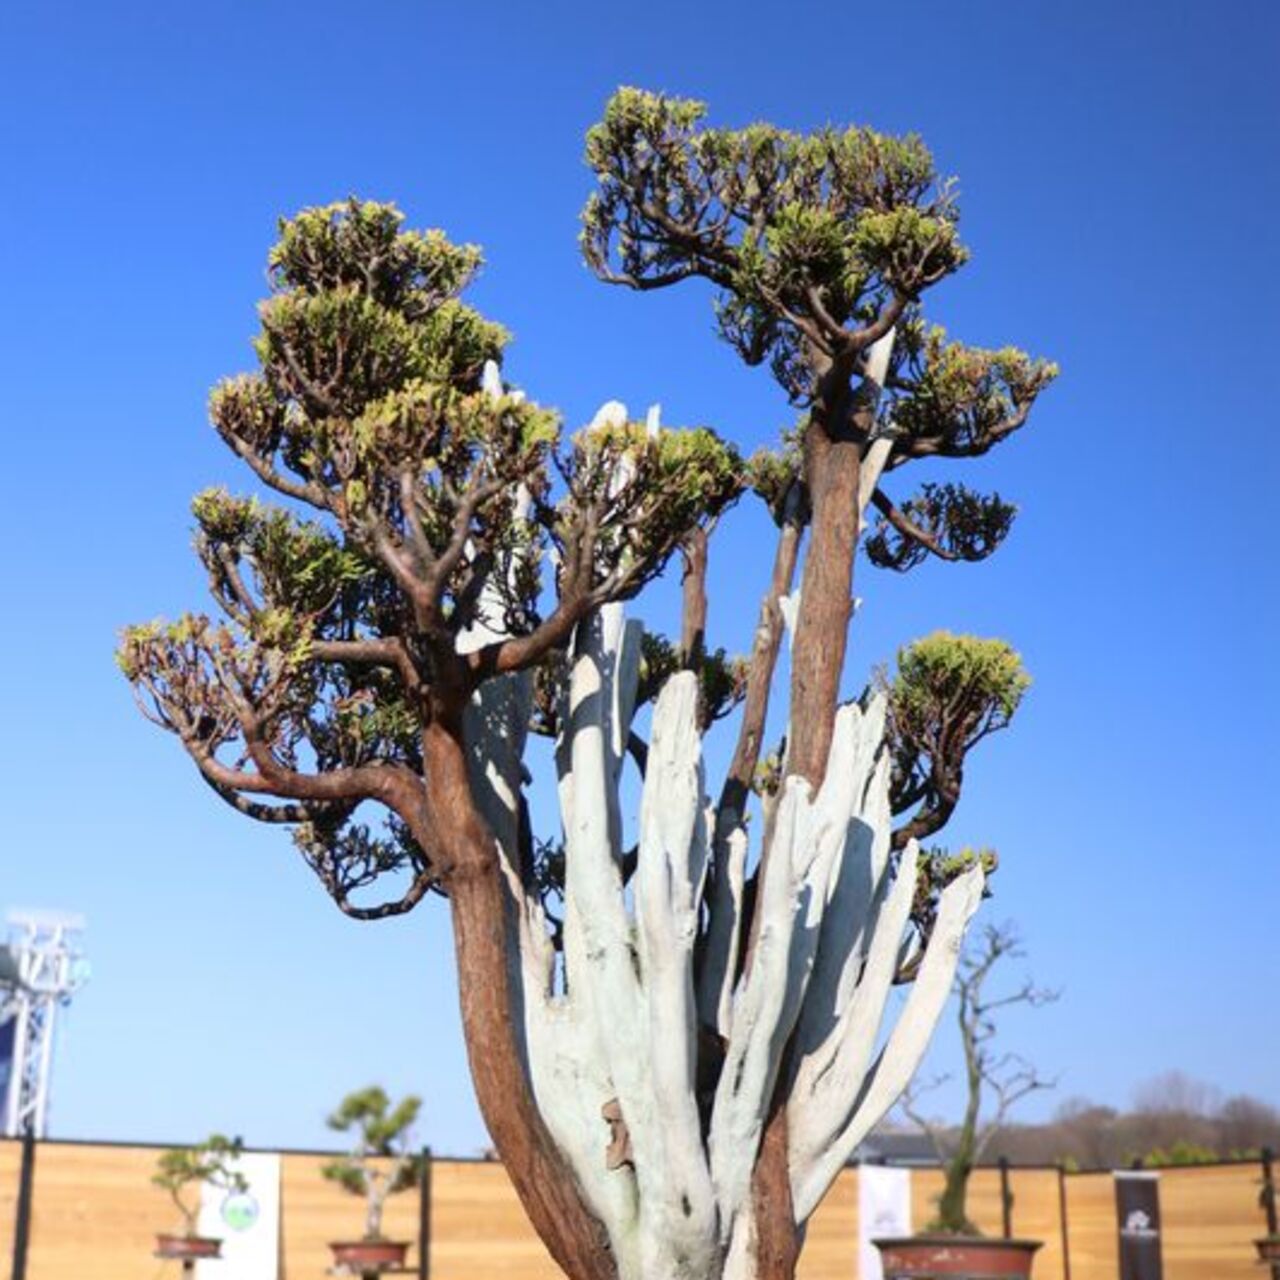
<point>1174,1120</point>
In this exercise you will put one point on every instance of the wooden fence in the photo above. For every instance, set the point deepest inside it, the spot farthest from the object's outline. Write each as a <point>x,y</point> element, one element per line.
<point>94,1214</point>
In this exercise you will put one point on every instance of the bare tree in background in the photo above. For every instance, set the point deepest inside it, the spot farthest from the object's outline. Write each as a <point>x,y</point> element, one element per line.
<point>1176,1092</point>
<point>1002,1078</point>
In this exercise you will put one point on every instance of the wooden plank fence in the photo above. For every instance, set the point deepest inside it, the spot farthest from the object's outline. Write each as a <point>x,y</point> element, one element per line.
<point>95,1214</point>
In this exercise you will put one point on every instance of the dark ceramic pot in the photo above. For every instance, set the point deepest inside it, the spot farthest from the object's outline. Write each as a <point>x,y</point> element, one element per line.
<point>168,1246</point>
<point>972,1257</point>
<point>372,1254</point>
<point>1268,1249</point>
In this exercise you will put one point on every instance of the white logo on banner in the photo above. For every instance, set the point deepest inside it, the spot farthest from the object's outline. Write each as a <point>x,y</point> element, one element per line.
<point>884,1209</point>
<point>247,1222</point>
<point>1138,1223</point>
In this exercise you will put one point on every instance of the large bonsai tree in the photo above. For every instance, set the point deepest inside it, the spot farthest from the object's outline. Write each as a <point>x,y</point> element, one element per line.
<point>671,1022</point>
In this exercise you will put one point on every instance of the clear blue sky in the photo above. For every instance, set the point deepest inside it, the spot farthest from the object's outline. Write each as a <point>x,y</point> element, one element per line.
<point>1119,173</point>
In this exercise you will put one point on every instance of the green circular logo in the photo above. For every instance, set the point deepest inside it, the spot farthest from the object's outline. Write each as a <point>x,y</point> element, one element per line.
<point>239,1211</point>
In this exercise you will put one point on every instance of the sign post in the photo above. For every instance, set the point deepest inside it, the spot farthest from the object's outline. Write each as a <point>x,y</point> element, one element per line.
<point>1138,1220</point>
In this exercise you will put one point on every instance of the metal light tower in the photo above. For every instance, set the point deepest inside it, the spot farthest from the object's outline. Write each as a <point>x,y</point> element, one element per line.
<point>41,966</point>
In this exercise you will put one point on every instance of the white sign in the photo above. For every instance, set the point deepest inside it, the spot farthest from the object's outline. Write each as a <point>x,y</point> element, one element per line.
<point>884,1209</point>
<point>247,1223</point>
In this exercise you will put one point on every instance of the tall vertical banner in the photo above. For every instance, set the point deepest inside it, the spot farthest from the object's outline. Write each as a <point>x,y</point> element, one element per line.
<point>884,1209</point>
<point>247,1222</point>
<point>1138,1220</point>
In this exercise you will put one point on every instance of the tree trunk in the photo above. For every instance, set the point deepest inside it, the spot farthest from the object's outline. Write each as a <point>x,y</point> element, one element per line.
<point>837,438</point>
<point>373,1209</point>
<point>778,1239</point>
<point>693,619</point>
<point>952,1213</point>
<point>840,426</point>
<point>952,1205</point>
<point>817,659</point>
<point>491,1022</point>
<point>689,1187</point>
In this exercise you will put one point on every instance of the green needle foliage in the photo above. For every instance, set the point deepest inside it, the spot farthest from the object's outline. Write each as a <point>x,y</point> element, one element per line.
<point>948,520</point>
<point>381,1164</point>
<point>937,868</point>
<point>438,507</point>
<point>181,1171</point>
<point>957,683</point>
<point>949,693</point>
<point>817,244</point>
<point>805,235</point>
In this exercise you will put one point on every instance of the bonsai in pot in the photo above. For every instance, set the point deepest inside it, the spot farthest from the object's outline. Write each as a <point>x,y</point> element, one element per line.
<point>379,1166</point>
<point>182,1171</point>
<point>951,1243</point>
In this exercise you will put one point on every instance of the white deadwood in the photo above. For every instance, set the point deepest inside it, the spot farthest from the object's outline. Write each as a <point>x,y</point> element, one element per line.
<point>881,446</point>
<point>612,1030</point>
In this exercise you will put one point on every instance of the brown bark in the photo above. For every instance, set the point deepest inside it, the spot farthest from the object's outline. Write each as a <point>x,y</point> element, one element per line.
<point>693,618</point>
<point>935,814</point>
<point>760,669</point>
<point>778,1239</point>
<point>832,467</point>
<point>839,426</point>
<point>478,898</point>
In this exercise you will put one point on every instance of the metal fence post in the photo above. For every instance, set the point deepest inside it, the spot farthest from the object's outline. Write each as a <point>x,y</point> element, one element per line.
<point>1268,1200</point>
<point>1062,1219</point>
<point>424,1215</point>
<point>22,1220</point>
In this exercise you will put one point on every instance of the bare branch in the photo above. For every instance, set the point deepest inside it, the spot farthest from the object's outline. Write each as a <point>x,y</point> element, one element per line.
<point>934,1130</point>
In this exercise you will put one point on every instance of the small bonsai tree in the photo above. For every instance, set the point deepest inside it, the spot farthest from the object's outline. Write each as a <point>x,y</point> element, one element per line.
<point>382,1133</point>
<point>181,1171</point>
<point>1006,1077</point>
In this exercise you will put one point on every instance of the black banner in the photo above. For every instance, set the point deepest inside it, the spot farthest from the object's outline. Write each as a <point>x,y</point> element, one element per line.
<point>1138,1217</point>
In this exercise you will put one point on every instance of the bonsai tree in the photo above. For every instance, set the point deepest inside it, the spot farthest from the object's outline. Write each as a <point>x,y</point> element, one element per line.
<point>1004,1078</point>
<point>382,1135</point>
<point>672,1017</point>
<point>181,1171</point>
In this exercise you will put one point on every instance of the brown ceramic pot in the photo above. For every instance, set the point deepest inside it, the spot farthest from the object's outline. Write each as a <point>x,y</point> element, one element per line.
<point>975,1257</point>
<point>354,1254</point>
<point>168,1246</point>
<point>1268,1249</point>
